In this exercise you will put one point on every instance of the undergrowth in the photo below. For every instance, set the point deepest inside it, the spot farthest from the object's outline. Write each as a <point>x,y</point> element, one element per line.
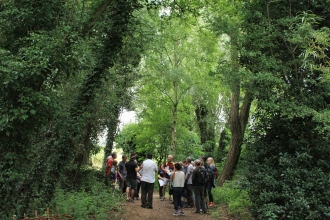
<point>235,198</point>
<point>94,204</point>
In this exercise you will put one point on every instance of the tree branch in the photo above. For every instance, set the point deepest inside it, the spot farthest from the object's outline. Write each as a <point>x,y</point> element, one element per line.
<point>99,12</point>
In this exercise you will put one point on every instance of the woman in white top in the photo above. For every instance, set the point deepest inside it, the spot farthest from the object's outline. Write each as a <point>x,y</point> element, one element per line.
<point>178,178</point>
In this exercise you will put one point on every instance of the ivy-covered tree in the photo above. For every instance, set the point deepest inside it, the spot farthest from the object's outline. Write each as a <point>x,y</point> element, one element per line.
<point>56,60</point>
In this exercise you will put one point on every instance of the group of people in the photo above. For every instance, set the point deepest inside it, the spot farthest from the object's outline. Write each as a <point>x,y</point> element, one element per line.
<point>187,180</point>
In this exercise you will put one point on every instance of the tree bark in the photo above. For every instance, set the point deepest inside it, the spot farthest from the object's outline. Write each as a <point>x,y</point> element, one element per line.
<point>201,114</point>
<point>111,133</point>
<point>175,116</point>
<point>98,13</point>
<point>238,119</point>
<point>206,127</point>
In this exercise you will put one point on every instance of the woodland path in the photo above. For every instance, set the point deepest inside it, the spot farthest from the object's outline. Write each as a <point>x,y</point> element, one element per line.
<point>161,210</point>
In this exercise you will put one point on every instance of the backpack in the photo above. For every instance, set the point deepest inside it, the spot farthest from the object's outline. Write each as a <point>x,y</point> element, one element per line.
<point>216,173</point>
<point>210,173</point>
<point>202,176</point>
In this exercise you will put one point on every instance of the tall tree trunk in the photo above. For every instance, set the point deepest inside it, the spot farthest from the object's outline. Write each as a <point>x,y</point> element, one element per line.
<point>238,119</point>
<point>175,116</point>
<point>201,114</point>
<point>112,130</point>
<point>206,127</point>
<point>236,140</point>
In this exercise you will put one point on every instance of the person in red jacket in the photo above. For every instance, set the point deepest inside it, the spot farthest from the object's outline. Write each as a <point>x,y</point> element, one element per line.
<point>108,168</point>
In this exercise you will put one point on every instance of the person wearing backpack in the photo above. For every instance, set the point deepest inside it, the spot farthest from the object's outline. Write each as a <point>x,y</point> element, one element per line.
<point>199,179</point>
<point>212,170</point>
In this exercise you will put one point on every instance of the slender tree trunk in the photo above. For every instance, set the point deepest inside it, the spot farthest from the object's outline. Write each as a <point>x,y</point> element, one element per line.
<point>206,127</point>
<point>175,116</point>
<point>236,140</point>
<point>111,133</point>
<point>201,114</point>
<point>222,140</point>
<point>238,119</point>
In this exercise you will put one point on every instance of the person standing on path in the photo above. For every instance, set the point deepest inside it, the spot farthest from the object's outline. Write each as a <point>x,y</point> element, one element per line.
<point>123,172</point>
<point>161,177</point>
<point>184,169</point>
<point>108,168</point>
<point>210,184</point>
<point>131,168</point>
<point>190,169</point>
<point>178,179</point>
<point>198,179</point>
<point>168,167</point>
<point>138,182</point>
<point>148,171</point>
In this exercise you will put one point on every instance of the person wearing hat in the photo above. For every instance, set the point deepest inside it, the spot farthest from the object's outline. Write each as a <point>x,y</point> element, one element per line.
<point>149,168</point>
<point>199,177</point>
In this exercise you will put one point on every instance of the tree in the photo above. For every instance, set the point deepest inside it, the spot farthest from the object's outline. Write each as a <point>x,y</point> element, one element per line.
<point>229,23</point>
<point>44,129</point>
<point>288,146</point>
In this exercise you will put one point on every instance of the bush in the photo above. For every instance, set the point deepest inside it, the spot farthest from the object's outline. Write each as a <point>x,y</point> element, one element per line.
<point>86,199</point>
<point>289,170</point>
<point>96,204</point>
<point>232,195</point>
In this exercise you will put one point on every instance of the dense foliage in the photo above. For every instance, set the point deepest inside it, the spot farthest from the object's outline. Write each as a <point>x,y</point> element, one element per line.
<point>58,80</point>
<point>289,143</point>
<point>204,78</point>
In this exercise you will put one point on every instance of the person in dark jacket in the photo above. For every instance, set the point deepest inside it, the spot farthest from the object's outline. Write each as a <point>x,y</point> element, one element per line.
<point>198,182</point>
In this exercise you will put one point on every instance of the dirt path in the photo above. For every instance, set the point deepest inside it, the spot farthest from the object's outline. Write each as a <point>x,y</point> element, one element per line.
<point>161,210</point>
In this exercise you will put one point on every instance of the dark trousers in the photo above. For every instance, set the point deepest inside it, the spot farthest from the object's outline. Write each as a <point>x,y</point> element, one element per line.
<point>160,191</point>
<point>199,198</point>
<point>147,190</point>
<point>209,191</point>
<point>107,179</point>
<point>122,184</point>
<point>185,190</point>
<point>177,194</point>
<point>137,190</point>
<point>190,200</point>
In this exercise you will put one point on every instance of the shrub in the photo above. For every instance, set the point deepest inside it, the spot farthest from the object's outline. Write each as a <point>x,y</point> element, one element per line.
<point>289,170</point>
<point>235,197</point>
<point>96,204</point>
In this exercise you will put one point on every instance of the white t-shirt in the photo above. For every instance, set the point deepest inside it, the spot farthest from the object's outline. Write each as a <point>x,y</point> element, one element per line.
<point>148,171</point>
<point>178,180</point>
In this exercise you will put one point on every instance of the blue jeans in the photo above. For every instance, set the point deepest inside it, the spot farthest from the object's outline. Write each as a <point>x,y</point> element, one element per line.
<point>177,194</point>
